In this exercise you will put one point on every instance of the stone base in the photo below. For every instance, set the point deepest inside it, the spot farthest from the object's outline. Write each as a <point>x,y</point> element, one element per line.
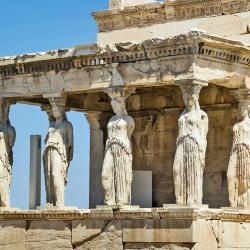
<point>9,209</point>
<point>236,209</point>
<point>51,207</point>
<point>192,206</point>
<point>114,207</point>
<point>175,229</point>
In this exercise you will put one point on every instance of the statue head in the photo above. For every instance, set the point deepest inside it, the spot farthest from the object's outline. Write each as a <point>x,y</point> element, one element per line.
<point>58,107</point>
<point>119,105</point>
<point>118,97</point>
<point>245,109</point>
<point>191,95</point>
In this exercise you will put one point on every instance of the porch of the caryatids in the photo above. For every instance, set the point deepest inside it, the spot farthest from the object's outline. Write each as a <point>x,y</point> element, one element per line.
<point>191,145</point>
<point>58,152</point>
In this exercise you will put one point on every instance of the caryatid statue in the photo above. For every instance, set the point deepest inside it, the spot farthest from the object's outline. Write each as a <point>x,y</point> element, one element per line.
<point>117,166</point>
<point>191,143</point>
<point>239,163</point>
<point>58,152</point>
<point>7,140</point>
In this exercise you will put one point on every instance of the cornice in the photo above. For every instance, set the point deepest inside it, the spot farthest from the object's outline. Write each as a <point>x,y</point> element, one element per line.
<point>192,44</point>
<point>149,14</point>
<point>229,214</point>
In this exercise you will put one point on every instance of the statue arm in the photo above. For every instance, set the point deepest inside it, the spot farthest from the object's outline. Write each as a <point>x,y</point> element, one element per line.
<point>12,136</point>
<point>232,178</point>
<point>204,128</point>
<point>131,126</point>
<point>70,143</point>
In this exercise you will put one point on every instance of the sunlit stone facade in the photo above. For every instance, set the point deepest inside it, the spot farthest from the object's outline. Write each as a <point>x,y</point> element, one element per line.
<point>165,90</point>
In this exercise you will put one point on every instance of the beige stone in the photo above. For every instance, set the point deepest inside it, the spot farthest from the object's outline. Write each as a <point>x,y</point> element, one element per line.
<point>234,234</point>
<point>244,38</point>
<point>120,4</point>
<point>13,235</point>
<point>157,246</point>
<point>207,236</point>
<point>109,239</point>
<point>83,230</point>
<point>47,235</point>
<point>230,25</point>
<point>160,231</point>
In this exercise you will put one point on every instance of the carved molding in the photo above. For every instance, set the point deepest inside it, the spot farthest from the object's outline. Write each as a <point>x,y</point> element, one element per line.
<point>149,14</point>
<point>236,215</point>
<point>194,43</point>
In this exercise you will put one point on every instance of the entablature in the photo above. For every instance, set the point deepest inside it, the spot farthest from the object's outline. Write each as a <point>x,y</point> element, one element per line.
<point>157,62</point>
<point>149,14</point>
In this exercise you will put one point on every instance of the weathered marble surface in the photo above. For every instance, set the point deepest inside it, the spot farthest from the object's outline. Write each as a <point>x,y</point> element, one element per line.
<point>175,229</point>
<point>46,235</point>
<point>165,61</point>
<point>120,4</point>
<point>13,234</point>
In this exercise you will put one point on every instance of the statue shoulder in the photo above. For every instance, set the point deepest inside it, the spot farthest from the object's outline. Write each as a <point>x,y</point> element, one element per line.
<point>203,115</point>
<point>69,125</point>
<point>236,127</point>
<point>130,119</point>
<point>11,131</point>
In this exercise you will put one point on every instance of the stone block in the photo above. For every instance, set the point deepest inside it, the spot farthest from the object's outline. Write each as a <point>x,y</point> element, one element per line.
<point>207,236</point>
<point>12,235</point>
<point>109,239</point>
<point>167,231</point>
<point>82,230</point>
<point>47,235</point>
<point>245,38</point>
<point>234,235</point>
<point>120,4</point>
<point>230,25</point>
<point>158,246</point>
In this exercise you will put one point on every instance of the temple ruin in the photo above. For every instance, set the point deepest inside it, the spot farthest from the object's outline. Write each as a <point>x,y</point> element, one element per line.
<point>166,90</point>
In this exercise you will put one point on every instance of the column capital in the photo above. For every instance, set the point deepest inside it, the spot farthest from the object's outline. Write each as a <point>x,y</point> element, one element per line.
<point>93,118</point>
<point>120,91</point>
<point>191,89</point>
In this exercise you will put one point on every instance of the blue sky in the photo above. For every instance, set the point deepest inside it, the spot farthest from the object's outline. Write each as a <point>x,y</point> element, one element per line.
<point>29,26</point>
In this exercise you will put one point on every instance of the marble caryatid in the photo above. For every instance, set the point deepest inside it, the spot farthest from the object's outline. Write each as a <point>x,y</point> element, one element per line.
<point>239,163</point>
<point>7,140</point>
<point>191,143</point>
<point>58,152</point>
<point>117,166</point>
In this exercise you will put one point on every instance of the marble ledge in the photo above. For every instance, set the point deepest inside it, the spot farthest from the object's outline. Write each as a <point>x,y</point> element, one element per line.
<point>225,214</point>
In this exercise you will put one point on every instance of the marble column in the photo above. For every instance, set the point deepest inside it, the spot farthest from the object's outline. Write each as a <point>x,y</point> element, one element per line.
<point>96,195</point>
<point>239,164</point>
<point>191,144</point>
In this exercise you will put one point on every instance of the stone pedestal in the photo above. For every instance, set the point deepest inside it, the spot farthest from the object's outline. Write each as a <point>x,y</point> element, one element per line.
<point>127,207</point>
<point>201,206</point>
